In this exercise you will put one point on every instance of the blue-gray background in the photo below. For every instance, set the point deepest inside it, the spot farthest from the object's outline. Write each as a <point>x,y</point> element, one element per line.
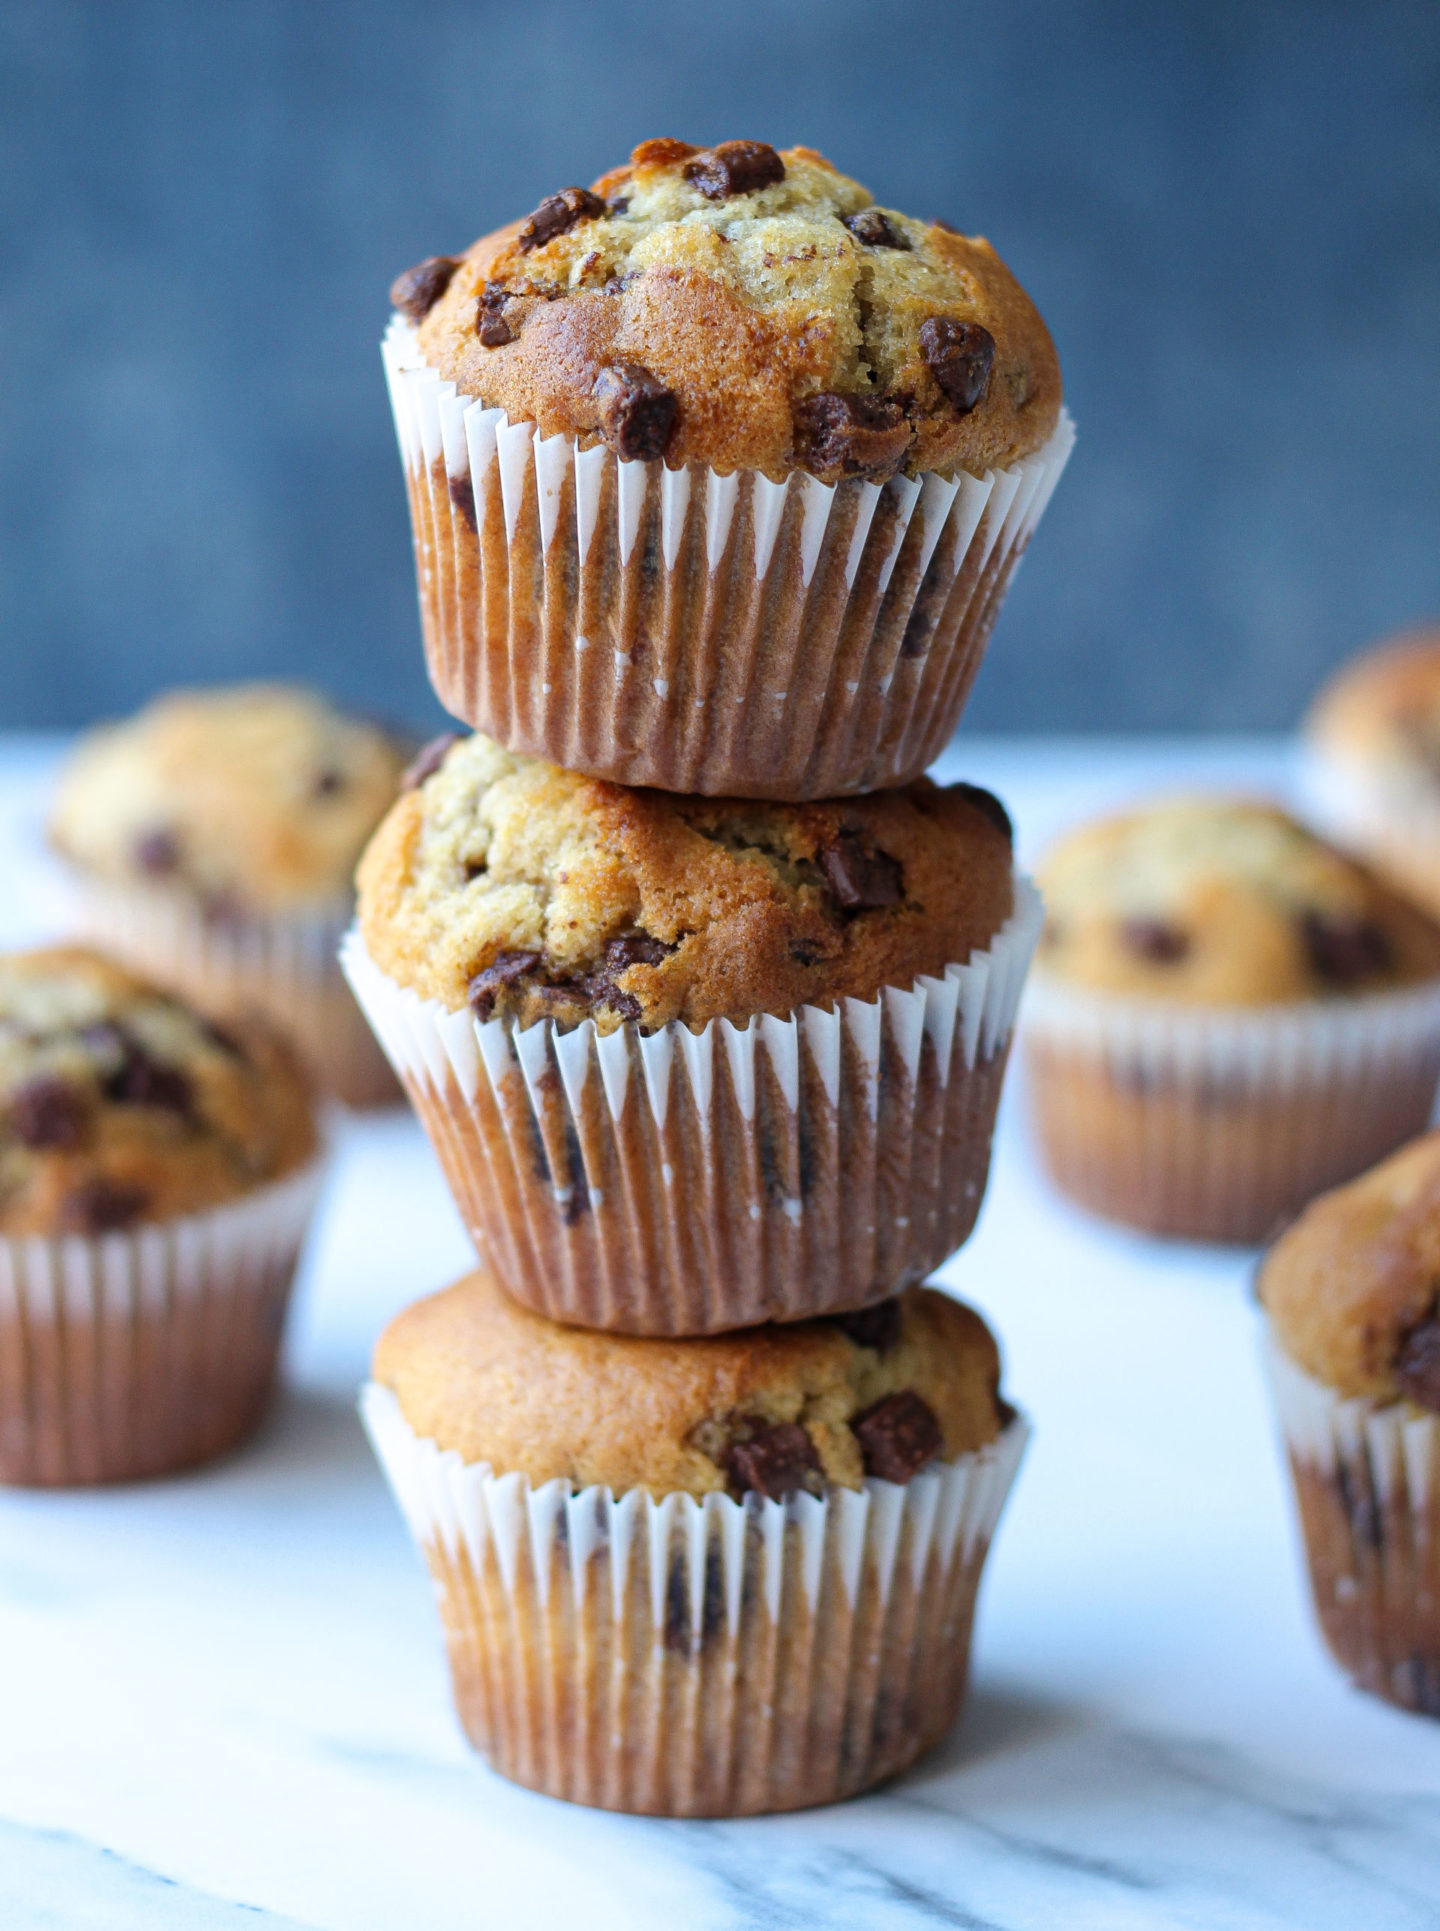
<point>1229,213</point>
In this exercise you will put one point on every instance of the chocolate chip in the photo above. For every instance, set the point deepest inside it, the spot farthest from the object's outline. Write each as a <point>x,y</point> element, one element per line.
<point>417,291</point>
<point>328,783</point>
<point>875,1327</point>
<point>850,435</point>
<point>557,214</point>
<point>619,206</point>
<point>1155,940</point>
<point>959,356</point>
<point>463,497</point>
<point>157,851</point>
<point>142,1081</point>
<point>861,880</point>
<point>806,952</point>
<point>734,167</point>
<point>1417,1365</point>
<point>637,413</point>
<point>49,1113</point>
<point>986,802</point>
<point>427,760</point>
<point>505,969</point>
<point>490,324</point>
<point>774,1458</point>
<point>875,228</point>
<point>636,948</point>
<point>101,1206</point>
<point>1345,949</point>
<point>898,1436</point>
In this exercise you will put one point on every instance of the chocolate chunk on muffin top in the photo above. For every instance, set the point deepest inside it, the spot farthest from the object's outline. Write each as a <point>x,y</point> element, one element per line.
<point>256,798</point>
<point>748,309</point>
<point>1227,902</point>
<point>1353,1287</point>
<point>532,893</point>
<point>772,1410</point>
<point>119,1104</point>
<point>1381,713</point>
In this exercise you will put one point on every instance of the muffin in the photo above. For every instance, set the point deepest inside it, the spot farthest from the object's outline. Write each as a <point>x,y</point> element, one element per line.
<point>1373,760</point>
<point>157,1173</point>
<point>1350,1292</point>
<point>1227,1015</point>
<point>699,1578</point>
<point>689,1063</point>
<point>214,838</point>
<point>719,472</point>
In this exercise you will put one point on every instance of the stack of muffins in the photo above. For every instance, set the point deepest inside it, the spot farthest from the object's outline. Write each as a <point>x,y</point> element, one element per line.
<point>718,473</point>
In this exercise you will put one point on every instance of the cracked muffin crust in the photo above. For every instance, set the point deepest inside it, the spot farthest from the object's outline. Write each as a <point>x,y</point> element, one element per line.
<point>119,1105</point>
<point>1224,902</point>
<point>534,893</point>
<point>807,1406</point>
<point>747,309</point>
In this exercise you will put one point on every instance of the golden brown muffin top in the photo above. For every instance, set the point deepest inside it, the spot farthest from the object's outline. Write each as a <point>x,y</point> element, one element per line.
<point>1224,902</point>
<point>775,1409</point>
<point>1353,1287</point>
<point>535,893</point>
<point>747,309</point>
<point>120,1105</point>
<point>257,797</point>
<point>1381,711</point>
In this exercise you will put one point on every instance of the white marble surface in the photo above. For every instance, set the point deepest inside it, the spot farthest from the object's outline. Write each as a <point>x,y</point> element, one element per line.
<point>222,1700</point>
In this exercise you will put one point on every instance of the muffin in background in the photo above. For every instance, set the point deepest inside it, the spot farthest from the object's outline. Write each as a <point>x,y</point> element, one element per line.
<point>718,473</point>
<point>690,1063</point>
<point>1227,1015</point>
<point>157,1173</point>
<point>1372,764</point>
<point>213,840</point>
<point>699,1578</point>
<point>1350,1292</point>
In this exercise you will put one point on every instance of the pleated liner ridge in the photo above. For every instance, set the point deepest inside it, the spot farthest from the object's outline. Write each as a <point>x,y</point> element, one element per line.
<point>696,631</point>
<point>698,1658</point>
<point>684,1183</point>
<point>135,1354</point>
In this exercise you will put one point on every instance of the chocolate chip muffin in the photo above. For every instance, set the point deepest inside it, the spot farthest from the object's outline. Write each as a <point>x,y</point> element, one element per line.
<point>213,838</point>
<point>690,1524</point>
<point>1350,1292</point>
<point>605,1002</point>
<point>1228,1015</point>
<point>156,1173</point>
<point>741,320</point>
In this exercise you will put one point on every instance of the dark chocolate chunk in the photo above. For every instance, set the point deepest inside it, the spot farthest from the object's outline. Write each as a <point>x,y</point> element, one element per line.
<point>1345,949</point>
<point>557,214</point>
<point>157,852</point>
<point>328,783</point>
<point>861,880</point>
<point>101,1206</point>
<point>505,969</point>
<point>875,228</point>
<point>851,435</point>
<point>875,1327</point>
<point>417,291</point>
<point>986,801</point>
<point>140,1080</point>
<point>806,952</point>
<point>734,167</point>
<point>774,1458</point>
<point>898,1436</point>
<point>619,206</point>
<point>637,413</point>
<point>1155,940</point>
<point>636,948</point>
<point>427,760</point>
<point>48,1112</point>
<point>959,356</point>
<point>1417,1365</point>
<point>490,324</point>
<point>463,497</point>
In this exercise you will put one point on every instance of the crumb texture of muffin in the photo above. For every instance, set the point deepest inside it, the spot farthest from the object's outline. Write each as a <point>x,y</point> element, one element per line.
<point>120,1106</point>
<point>254,799</point>
<point>536,893</point>
<point>1224,902</point>
<point>747,309</point>
<point>808,1406</point>
<point>1381,712</point>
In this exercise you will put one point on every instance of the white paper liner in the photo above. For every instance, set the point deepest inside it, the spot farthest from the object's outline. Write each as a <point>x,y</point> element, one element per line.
<point>563,1607</point>
<point>1367,1476</point>
<point>685,1182</point>
<point>696,631</point>
<point>130,1354</point>
<point>1390,818</point>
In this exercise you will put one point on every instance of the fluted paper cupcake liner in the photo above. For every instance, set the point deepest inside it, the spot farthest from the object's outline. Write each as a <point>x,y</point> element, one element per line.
<point>700,632</point>
<point>688,1182</point>
<point>1391,820</point>
<point>282,966</point>
<point>134,1354</point>
<point>1220,1124</point>
<point>700,1658</point>
<point>1367,1484</point>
